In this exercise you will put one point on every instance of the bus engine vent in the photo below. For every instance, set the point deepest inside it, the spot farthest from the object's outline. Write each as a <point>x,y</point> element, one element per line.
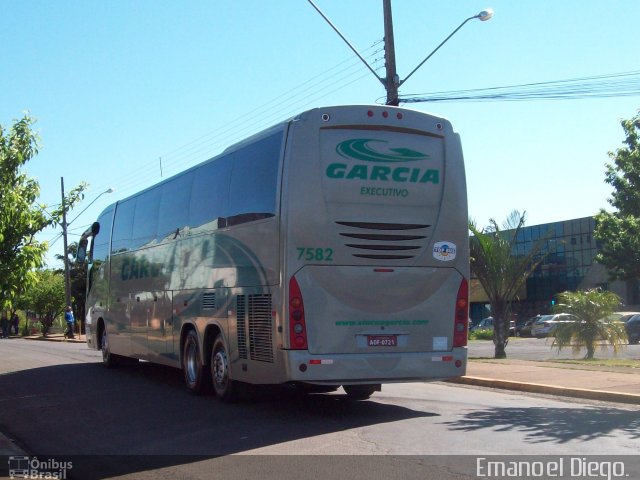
<point>384,241</point>
<point>209,301</point>
<point>260,328</point>
<point>241,318</point>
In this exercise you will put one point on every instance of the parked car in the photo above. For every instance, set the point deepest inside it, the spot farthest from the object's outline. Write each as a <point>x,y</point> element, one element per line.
<point>525,328</point>
<point>622,316</point>
<point>632,326</point>
<point>544,325</point>
<point>487,324</point>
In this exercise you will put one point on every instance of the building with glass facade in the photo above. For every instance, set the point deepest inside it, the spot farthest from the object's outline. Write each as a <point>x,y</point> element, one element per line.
<point>569,250</point>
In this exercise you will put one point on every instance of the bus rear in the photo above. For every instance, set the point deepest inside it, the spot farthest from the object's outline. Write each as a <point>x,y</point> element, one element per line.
<point>375,243</point>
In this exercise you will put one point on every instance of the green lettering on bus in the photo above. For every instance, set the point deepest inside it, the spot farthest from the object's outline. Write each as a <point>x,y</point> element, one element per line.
<point>358,171</point>
<point>431,176</point>
<point>397,174</point>
<point>385,174</point>
<point>380,173</point>
<point>336,170</point>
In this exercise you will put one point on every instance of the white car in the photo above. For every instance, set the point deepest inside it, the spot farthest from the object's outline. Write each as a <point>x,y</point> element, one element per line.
<point>543,327</point>
<point>487,324</point>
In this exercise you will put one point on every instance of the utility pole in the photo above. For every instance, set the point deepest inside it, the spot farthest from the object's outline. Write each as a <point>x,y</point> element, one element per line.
<point>67,276</point>
<point>392,81</point>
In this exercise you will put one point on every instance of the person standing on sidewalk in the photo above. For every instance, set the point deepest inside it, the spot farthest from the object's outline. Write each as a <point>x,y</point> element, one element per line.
<point>16,323</point>
<point>68,317</point>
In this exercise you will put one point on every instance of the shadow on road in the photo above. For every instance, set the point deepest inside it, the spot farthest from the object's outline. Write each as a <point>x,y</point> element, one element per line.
<point>144,417</point>
<point>556,425</point>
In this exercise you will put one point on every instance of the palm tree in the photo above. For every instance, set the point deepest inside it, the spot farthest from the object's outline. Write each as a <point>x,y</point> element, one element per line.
<point>593,308</point>
<point>501,271</point>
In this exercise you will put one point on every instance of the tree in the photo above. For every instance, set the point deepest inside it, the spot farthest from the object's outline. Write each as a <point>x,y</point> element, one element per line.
<point>46,297</point>
<point>593,308</point>
<point>21,217</point>
<point>501,271</point>
<point>619,231</point>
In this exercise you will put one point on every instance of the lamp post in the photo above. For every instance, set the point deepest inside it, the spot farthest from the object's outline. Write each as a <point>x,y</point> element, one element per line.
<point>65,226</point>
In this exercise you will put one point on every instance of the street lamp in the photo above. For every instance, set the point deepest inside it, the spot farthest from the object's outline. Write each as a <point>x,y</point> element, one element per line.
<point>483,16</point>
<point>392,81</point>
<point>65,225</point>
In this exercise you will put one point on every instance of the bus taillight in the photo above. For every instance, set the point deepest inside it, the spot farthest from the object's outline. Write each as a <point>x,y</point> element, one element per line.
<point>461,315</point>
<point>297,325</point>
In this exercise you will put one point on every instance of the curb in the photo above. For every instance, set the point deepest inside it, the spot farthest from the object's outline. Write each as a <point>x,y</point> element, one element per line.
<point>601,395</point>
<point>52,339</point>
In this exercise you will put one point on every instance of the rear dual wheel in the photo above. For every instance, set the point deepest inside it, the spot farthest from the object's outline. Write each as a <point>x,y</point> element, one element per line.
<point>200,378</point>
<point>195,374</point>
<point>224,388</point>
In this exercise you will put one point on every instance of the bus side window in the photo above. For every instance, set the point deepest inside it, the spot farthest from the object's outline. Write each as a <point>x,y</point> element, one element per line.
<point>99,251</point>
<point>209,194</point>
<point>174,206</point>
<point>254,179</point>
<point>145,218</point>
<point>123,226</point>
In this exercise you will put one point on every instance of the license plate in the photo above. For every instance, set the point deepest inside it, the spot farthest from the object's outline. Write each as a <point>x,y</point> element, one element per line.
<point>382,340</point>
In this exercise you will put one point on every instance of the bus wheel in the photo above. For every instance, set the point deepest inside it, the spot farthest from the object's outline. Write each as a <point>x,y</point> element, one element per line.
<point>360,392</point>
<point>194,373</point>
<point>224,388</point>
<point>109,360</point>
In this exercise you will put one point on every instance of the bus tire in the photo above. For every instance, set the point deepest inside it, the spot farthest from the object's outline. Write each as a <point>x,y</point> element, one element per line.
<point>224,388</point>
<point>109,359</point>
<point>360,392</point>
<point>194,372</point>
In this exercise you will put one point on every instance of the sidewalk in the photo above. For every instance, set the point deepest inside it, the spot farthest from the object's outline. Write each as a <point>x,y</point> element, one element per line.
<point>56,337</point>
<point>610,384</point>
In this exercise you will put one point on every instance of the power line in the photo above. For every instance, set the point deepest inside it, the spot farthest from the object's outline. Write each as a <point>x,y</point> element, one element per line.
<point>289,103</point>
<point>622,84</point>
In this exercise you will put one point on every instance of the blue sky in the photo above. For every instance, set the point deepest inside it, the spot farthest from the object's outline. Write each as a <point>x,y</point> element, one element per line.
<point>118,85</point>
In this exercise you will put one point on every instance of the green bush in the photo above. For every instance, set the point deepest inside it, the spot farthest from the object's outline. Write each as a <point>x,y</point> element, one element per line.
<point>482,334</point>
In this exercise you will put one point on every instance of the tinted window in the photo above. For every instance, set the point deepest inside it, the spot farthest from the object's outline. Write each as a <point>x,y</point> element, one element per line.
<point>254,180</point>
<point>123,225</point>
<point>174,206</point>
<point>209,192</point>
<point>101,240</point>
<point>145,218</point>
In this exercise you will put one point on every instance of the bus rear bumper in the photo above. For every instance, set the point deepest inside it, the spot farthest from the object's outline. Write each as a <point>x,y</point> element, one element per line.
<point>343,369</point>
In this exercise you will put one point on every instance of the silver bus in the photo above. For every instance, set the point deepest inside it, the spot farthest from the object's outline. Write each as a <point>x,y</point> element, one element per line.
<point>329,250</point>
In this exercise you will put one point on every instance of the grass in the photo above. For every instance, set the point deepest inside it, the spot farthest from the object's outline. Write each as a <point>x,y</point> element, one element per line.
<point>601,362</point>
<point>595,362</point>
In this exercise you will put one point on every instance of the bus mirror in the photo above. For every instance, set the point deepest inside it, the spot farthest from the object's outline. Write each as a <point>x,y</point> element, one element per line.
<point>81,254</point>
<point>95,228</point>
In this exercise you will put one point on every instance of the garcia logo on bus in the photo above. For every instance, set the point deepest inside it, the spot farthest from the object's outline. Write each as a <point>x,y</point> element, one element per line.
<point>362,149</point>
<point>444,251</point>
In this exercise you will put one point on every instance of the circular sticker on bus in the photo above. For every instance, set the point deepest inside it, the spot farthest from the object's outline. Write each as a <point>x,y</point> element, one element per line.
<point>444,251</point>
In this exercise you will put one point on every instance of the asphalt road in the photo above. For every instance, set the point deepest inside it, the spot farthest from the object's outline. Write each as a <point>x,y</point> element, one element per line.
<point>56,400</point>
